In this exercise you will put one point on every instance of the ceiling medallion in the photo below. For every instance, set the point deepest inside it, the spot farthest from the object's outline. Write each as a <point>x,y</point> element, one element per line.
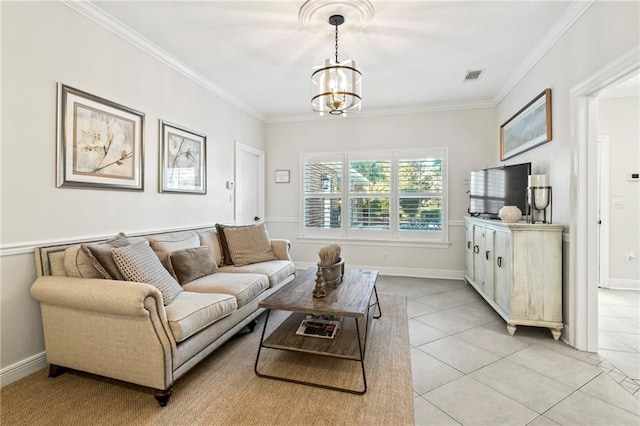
<point>314,15</point>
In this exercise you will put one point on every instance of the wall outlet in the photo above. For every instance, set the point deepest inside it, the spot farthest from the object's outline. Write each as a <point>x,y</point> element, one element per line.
<point>385,256</point>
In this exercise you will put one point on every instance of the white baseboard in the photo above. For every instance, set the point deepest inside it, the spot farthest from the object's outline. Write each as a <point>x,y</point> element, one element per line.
<point>23,368</point>
<point>623,284</point>
<point>401,271</point>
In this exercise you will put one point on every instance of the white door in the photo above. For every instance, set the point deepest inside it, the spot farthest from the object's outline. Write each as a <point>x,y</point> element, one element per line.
<point>249,188</point>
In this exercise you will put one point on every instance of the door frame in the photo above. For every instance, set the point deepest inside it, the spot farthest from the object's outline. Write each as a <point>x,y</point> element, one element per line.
<point>603,210</point>
<point>261,180</point>
<point>583,236</point>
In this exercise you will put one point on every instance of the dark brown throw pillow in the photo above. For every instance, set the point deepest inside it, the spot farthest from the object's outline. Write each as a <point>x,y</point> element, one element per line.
<point>190,264</point>
<point>102,258</point>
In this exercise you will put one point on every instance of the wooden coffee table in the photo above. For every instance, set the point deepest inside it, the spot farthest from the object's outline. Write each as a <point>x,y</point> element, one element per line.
<point>355,300</point>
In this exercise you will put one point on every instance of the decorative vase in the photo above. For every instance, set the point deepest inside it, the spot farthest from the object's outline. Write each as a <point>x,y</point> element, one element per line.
<point>332,274</point>
<point>510,214</point>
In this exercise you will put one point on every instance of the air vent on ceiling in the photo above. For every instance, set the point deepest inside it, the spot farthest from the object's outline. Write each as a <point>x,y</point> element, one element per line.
<point>472,75</point>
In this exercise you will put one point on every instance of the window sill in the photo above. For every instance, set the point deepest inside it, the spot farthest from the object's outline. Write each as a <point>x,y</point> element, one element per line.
<point>370,242</point>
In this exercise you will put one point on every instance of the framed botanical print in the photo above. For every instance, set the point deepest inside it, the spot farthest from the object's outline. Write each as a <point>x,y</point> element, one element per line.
<point>100,144</point>
<point>183,155</point>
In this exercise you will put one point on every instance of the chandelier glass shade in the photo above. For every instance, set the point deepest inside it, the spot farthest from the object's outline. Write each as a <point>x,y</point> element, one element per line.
<point>336,86</point>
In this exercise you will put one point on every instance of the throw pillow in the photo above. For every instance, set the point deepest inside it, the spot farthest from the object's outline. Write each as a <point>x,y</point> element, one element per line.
<point>249,244</point>
<point>78,264</point>
<point>166,244</point>
<point>226,256</point>
<point>190,264</point>
<point>210,238</point>
<point>101,257</point>
<point>137,262</point>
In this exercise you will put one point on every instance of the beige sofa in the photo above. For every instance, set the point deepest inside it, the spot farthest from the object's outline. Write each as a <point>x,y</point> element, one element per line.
<point>123,330</point>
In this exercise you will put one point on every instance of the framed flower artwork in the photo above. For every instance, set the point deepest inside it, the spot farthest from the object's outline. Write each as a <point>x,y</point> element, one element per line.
<point>100,144</point>
<point>183,160</point>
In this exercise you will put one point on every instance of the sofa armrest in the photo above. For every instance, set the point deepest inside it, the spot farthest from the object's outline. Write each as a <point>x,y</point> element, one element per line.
<point>96,295</point>
<point>281,248</point>
<point>115,329</point>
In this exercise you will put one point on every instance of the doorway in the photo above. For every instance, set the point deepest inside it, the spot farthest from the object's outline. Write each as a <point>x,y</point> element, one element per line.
<point>584,235</point>
<point>249,185</point>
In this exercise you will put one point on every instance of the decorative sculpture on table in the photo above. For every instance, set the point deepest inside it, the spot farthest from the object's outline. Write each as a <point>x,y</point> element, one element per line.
<point>330,269</point>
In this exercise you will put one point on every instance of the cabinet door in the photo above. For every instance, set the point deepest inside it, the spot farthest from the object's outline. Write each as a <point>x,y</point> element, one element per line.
<point>502,271</point>
<point>469,251</point>
<point>478,255</point>
<point>489,264</point>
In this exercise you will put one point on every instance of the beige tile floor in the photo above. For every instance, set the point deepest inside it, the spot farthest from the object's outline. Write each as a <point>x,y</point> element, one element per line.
<point>467,370</point>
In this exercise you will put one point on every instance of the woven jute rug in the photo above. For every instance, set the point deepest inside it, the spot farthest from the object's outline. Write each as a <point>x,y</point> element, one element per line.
<point>224,390</point>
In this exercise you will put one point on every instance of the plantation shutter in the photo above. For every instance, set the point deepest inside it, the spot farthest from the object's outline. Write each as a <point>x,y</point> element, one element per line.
<point>420,194</point>
<point>322,188</point>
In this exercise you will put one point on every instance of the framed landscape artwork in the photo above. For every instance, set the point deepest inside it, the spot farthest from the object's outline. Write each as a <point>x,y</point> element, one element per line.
<point>183,154</point>
<point>100,143</point>
<point>528,128</point>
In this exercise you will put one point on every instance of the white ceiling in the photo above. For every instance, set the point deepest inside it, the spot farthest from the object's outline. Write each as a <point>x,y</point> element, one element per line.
<point>413,54</point>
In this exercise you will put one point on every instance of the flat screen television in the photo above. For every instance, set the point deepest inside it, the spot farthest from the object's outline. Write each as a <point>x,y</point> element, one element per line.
<point>491,189</point>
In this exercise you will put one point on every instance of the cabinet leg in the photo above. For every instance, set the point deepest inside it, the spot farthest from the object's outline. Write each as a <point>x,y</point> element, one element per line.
<point>556,332</point>
<point>511,329</point>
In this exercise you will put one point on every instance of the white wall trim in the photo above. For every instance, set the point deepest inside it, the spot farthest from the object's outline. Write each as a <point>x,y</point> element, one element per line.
<point>23,368</point>
<point>447,274</point>
<point>28,247</point>
<point>624,284</point>
<point>457,106</point>
<point>134,38</point>
<point>565,22</point>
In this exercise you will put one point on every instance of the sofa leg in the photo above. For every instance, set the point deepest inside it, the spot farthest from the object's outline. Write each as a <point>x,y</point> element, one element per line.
<point>252,325</point>
<point>55,370</point>
<point>162,396</point>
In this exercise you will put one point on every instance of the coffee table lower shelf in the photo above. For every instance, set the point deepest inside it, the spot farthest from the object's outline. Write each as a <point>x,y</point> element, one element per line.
<point>349,343</point>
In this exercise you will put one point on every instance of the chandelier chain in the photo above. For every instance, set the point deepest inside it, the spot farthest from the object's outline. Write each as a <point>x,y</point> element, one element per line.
<point>337,44</point>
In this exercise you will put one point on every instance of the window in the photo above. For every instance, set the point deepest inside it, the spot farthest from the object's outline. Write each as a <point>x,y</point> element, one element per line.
<point>398,195</point>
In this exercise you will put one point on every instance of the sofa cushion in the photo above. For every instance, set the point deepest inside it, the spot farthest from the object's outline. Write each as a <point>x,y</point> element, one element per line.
<point>249,245</point>
<point>244,287</point>
<point>209,238</point>
<point>190,312</point>
<point>77,263</point>
<point>137,262</point>
<point>189,264</point>
<point>275,270</point>
<point>100,254</point>
<point>165,244</point>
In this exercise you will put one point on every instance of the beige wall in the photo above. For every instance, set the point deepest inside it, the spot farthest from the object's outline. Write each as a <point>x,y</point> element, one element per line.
<point>620,121</point>
<point>45,43</point>
<point>470,136</point>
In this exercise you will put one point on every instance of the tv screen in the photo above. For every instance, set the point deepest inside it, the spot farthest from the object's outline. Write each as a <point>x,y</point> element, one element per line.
<point>491,189</point>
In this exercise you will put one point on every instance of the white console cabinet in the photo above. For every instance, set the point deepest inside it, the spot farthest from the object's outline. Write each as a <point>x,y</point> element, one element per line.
<point>517,269</point>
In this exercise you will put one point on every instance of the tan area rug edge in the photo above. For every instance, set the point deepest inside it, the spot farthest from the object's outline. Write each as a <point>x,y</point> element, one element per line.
<point>223,389</point>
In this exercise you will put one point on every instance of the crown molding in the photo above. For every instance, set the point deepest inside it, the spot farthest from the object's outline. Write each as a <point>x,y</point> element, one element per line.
<point>99,16</point>
<point>545,44</point>
<point>454,106</point>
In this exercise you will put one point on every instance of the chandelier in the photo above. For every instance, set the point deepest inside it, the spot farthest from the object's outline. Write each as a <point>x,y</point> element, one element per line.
<point>336,86</point>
